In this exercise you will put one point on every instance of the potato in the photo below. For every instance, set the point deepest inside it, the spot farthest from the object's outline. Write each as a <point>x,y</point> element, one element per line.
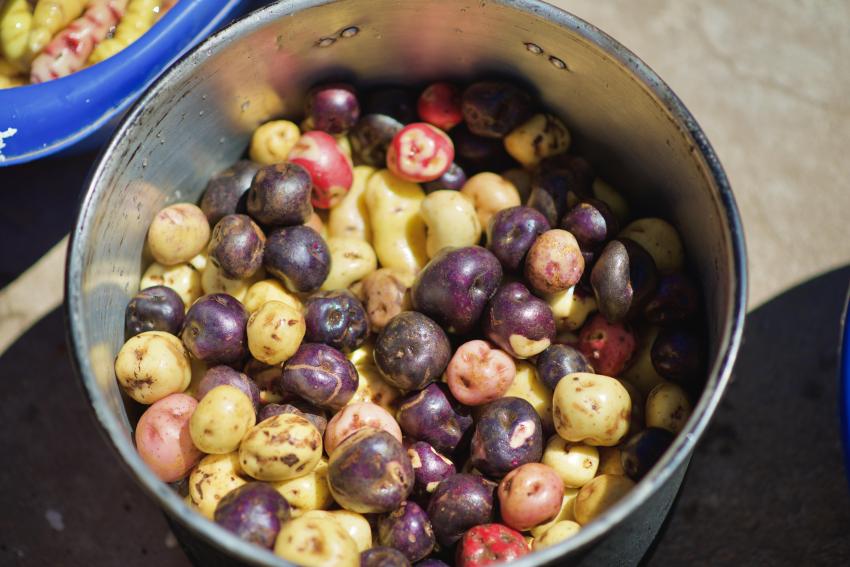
<point>182,278</point>
<point>153,365</point>
<point>350,218</point>
<point>351,261</point>
<point>213,280</point>
<point>528,386</point>
<point>490,193</point>
<point>385,293</point>
<point>357,527</point>
<point>541,136</point>
<point>661,240</point>
<point>356,416</point>
<point>371,387</point>
<point>641,372</point>
<point>571,308</point>
<point>275,332</point>
<point>178,233</point>
<point>592,409</point>
<point>272,142</point>
<point>575,463</point>
<point>398,229</point>
<point>316,542</point>
<point>281,447</point>
<point>270,290</point>
<point>618,205</point>
<point>317,223</point>
<point>308,492</point>
<point>668,407</point>
<point>162,437</point>
<point>212,478</point>
<point>599,495</point>
<point>565,513</point>
<point>450,219</point>
<point>224,415</point>
<point>610,461</point>
<point>555,534</point>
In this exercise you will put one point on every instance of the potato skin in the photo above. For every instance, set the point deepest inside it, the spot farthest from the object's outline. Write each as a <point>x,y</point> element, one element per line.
<point>182,278</point>
<point>214,329</point>
<point>434,416</point>
<point>355,417</point>
<point>153,365</point>
<point>478,374</point>
<point>225,190</point>
<point>554,262</point>
<point>307,493</point>
<point>599,495</point>
<point>320,374</point>
<point>451,221</point>
<point>425,348</point>
<point>275,332</point>
<point>162,437</point>
<point>236,246</point>
<point>460,502</point>
<point>271,142</point>
<point>508,434</point>
<point>221,419</point>
<point>313,542</point>
<point>350,217</point>
<point>530,495</point>
<point>352,260</point>
<point>385,294</point>
<point>255,512</point>
<point>490,193</point>
<point>178,233</point>
<point>280,448</point>
<point>575,463</point>
<point>407,529</point>
<point>592,409</point>
<point>212,478</point>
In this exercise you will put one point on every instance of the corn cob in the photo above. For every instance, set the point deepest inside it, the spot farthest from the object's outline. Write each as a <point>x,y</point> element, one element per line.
<point>49,17</point>
<point>140,16</point>
<point>15,23</point>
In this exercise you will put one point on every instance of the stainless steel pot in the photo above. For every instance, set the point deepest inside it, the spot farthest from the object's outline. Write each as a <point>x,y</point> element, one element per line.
<point>198,118</point>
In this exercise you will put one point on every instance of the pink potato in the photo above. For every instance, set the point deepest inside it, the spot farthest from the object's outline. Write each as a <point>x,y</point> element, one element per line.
<point>163,440</point>
<point>530,495</point>
<point>355,417</point>
<point>328,167</point>
<point>478,373</point>
<point>607,346</point>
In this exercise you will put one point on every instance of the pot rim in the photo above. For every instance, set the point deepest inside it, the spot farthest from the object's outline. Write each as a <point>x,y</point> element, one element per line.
<point>675,457</point>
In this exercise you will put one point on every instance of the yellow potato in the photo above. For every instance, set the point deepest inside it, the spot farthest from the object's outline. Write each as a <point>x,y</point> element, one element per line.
<point>182,278</point>
<point>398,229</point>
<point>599,495</point>
<point>371,387</point>
<point>668,407</point>
<point>211,479</point>
<point>316,542</point>
<point>350,217</point>
<point>490,193</point>
<point>555,534</point>
<point>661,240</point>
<point>214,281</point>
<point>575,463</point>
<point>450,219</point>
<point>356,526</point>
<point>351,261</point>
<point>178,233</point>
<point>610,461</point>
<point>565,513</point>
<point>528,386</point>
<point>275,332</point>
<point>15,24</point>
<point>272,142</point>
<point>264,291</point>
<point>153,365</point>
<point>591,408</point>
<point>605,193</point>
<point>281,447</point>
<point>571,308</point>
<point>222,418</point>
<point>541,136</point>
<point>641,372</point>
<point>308,492</point>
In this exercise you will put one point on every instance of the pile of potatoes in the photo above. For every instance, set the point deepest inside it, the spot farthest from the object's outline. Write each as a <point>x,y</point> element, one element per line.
<point>411,329</point>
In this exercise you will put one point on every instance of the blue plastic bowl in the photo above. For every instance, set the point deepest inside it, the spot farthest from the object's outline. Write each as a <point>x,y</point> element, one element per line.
<point>78,110</point>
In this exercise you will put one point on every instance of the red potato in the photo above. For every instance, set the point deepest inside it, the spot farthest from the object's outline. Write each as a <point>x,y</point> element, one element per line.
<point>330,169</point>
<point>609,347</point>
<point>489,544</point>
<point>420,152</point>
<point>439,104</point>
<point>478,373</point>
<point>530,495</point>
<point>163,440</point>
<point>355,417</point>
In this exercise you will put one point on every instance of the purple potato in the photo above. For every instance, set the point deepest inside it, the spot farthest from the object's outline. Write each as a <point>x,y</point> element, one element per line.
<point>623,279</point>
<point>407,529</point>
<point>432,563</point>
<point>435,417</point>
<point>576,166</point>
<point>254,511</point>
<point>333,108</point>
<point>454,287</point>
<point>676,299</point>
<point>492,109</point>
<point>554,189</point>
<point>383,557</point>
<point>399,103</point>
<point>511,233</point>
<point>677,355</point>
<point>508,434</point>
<point>214,329</point>
<point>520,323</point>
<point>157,308</point>
<point>236,246</point>
<point>412,351</point>
<point>280,195</point>
<point>371,137</point>
<point>559,360</point>
<point>314,415</point>
<point>320,374</point>
<point>459,503</point>
<point>370,472</point>
<point>477,153</point>
<point>298,256</point>
<point>225,190</point>
<point>225,375</point>
<point>642,451</point>
<point>336,318</point>
<point>429,467</point>
<point>452,180</point>
<point>592,224</point>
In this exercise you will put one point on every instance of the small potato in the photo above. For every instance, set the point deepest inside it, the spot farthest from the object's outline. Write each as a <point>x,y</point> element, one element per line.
<point>638,419</point>
<point>222,418</point>
<point>575,463</point>
<point>641,372</point>
<point>350,218</point>
<point>309,492</point>
<point>272,142</point>
<point>357,527</point>
<point>478,373</point>
<point>351,261</point>
<point>182,278</point>
<point>398,231</point>
<point>599,495</point>
<point>281,447</point>
<point>275,332</point>
<point>213,280</point>
<point>661,240</point>
<point>371,387</point>
<point>212,479</point>
<point>541,136</point>
<point>316,542</point>
<point>490,193</point>
<point>530,495</point>
<point>668,407</point>
<point>555,534</point>
<point>554,262</point>
<point>618,205</point>
<point>356,416</point>
<point>451,221</point>
<point>178,233</point>
<point>153,365</point>
<point>264,291</point>
<point>591,408</point>
<point>386,293</point>
<point>571,308</point>
<point>163,440</point>
<point>610,461</point>
<point>528,386</point>
<point>565,513</point>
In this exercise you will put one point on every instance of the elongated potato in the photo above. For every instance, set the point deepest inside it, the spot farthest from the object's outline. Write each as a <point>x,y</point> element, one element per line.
<point>139,17</point>
<point>451,221</point>
<point>15,24</point>
<point>350,218</point>
<point>398,228</point>
<point>351,261</point>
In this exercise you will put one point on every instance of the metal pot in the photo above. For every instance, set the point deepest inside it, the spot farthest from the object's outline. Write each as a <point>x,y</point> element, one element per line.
<point>199,116</point>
